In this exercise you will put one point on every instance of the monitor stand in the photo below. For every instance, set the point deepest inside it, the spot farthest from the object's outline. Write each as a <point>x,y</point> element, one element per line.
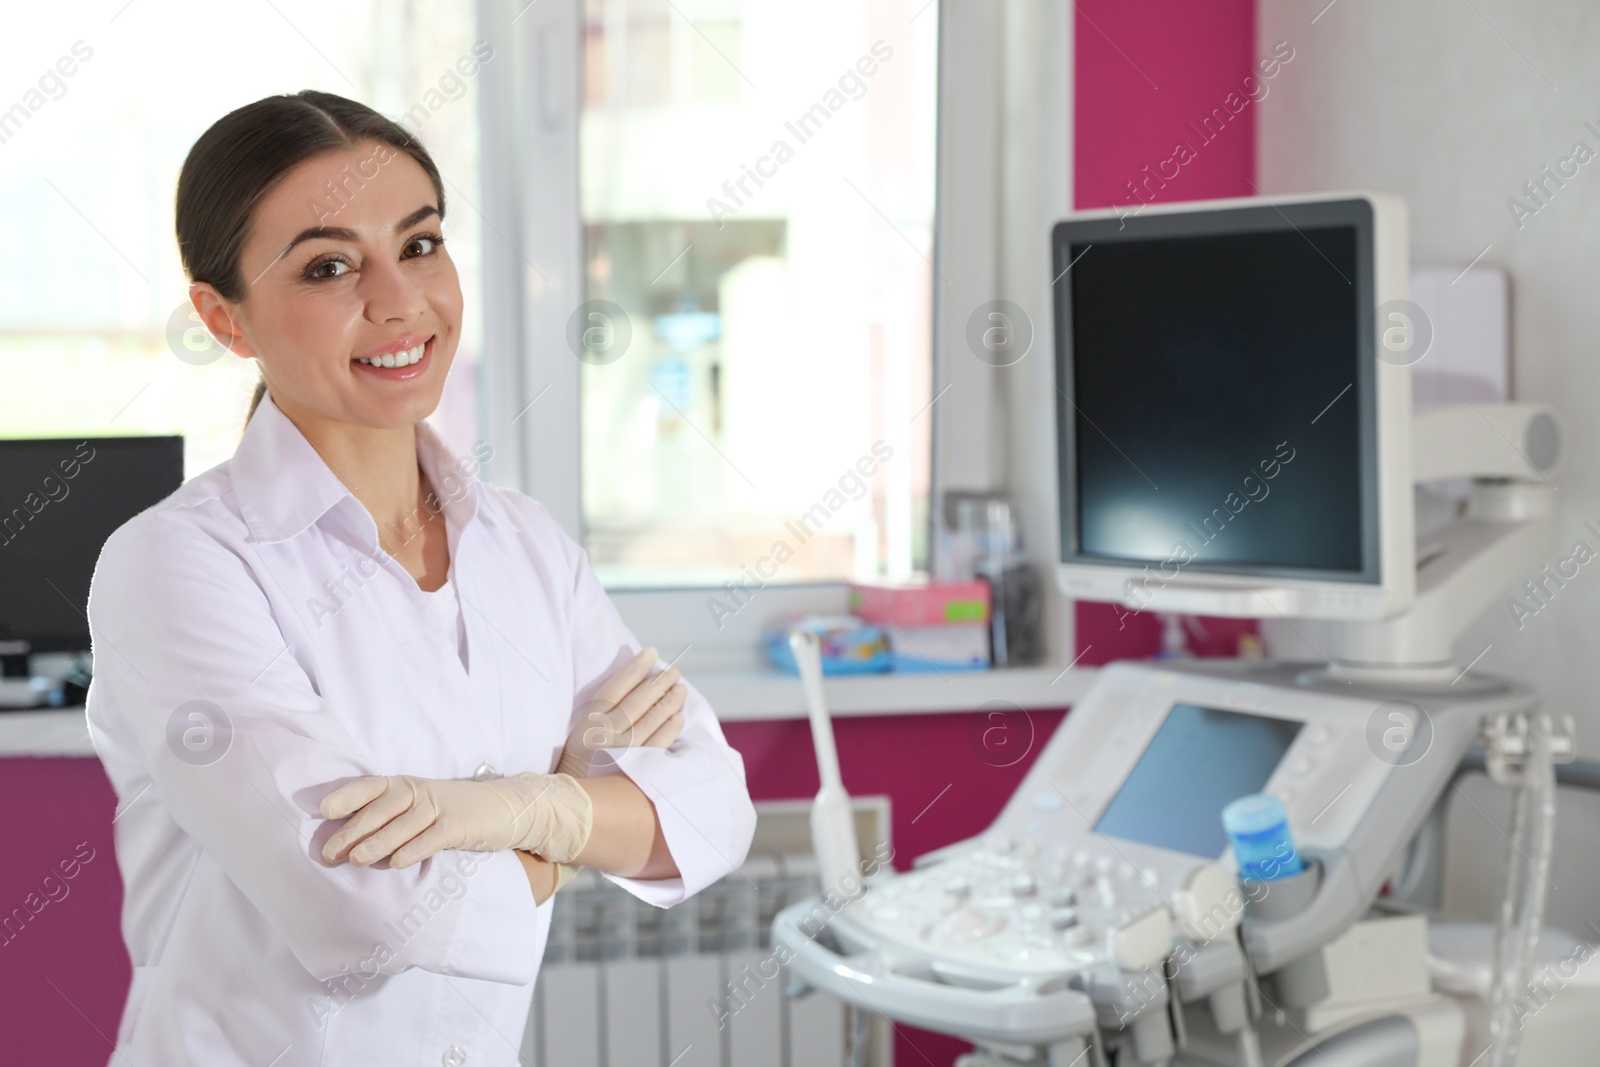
<point>1462,571</point>
<point>18,688</point>
<point>14,657</point>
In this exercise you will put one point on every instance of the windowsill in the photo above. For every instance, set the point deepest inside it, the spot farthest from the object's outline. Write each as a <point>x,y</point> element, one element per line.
<point>764,694</point>
<point>737,695</point>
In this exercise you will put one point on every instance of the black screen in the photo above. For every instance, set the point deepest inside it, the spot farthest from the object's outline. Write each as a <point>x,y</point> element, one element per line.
<point>1199,760</point>
<point>59,501</point>
<point>1217,390</point>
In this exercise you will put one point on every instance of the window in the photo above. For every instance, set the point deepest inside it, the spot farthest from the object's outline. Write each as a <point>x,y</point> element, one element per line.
<point>96,331</point>
<point>756,185</point>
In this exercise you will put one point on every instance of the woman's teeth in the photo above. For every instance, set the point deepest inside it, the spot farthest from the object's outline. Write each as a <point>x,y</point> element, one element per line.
<point>396,359</point>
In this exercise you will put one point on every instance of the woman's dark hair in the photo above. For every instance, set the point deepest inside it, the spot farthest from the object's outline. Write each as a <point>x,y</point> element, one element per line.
<point>245,154</point>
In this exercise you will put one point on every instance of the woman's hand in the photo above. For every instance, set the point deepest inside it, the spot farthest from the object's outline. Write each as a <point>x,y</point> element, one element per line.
<point>631,709</point>
<point>409,818</point>
<point>544,878</point>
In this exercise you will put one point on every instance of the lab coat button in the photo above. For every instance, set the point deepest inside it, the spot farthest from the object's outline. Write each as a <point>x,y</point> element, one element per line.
<point>453,1056</point>
<point>483,774</point>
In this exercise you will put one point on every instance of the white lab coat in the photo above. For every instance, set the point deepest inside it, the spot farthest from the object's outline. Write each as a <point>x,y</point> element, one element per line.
<point>258,587</point>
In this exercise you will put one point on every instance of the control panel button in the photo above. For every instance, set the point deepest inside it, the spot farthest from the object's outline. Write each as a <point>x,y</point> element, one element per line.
<point>1201,906</point>
<point>1023,886</point>
<point>1063,918</point>
<point>971,925</point>
<point>1142,942</point>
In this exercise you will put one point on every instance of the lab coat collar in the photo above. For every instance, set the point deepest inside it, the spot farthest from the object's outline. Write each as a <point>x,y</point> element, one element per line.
<point>282,485</point>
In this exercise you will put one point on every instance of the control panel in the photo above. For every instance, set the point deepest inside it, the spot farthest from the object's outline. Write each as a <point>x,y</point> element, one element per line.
<point>1044,909</point>
<point>1108,875</point>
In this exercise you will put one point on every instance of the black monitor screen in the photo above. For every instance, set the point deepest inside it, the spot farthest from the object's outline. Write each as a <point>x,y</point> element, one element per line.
<point>1199,760</point>
<point>59,501</point>
<point>1218,391</point>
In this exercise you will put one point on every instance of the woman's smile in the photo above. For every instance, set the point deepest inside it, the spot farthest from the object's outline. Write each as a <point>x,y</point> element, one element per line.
<point>405,359</point>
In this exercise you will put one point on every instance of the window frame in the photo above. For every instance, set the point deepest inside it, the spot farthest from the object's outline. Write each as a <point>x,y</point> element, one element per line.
<point>993,213</point>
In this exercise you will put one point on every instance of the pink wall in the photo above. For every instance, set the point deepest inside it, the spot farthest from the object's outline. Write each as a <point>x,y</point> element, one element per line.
<point>1148,74</point>
<point>64,972</point>
<point>1145,71</point>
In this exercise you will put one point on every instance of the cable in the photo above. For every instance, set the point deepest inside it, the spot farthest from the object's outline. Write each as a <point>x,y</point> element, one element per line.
<point>1516,940</point>
<point>860,1036</point>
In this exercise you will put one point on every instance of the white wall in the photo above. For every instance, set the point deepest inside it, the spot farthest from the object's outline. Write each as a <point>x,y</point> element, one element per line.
<point>1455,104</point>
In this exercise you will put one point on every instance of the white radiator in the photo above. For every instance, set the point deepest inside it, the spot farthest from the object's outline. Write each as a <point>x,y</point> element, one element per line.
<point>625,984</point>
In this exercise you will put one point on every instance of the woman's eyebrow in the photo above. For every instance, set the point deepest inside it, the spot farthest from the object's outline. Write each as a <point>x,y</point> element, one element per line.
<point>344,233</point>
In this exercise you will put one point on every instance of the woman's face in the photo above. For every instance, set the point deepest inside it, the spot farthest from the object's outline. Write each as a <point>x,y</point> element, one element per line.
<point>336,278</point>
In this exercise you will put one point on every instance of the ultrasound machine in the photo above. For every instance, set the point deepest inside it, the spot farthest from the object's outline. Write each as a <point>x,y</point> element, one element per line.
<point>1235,436</point>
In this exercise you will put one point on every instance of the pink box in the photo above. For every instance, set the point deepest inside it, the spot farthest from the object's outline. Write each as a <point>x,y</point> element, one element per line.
<point>925,603</point>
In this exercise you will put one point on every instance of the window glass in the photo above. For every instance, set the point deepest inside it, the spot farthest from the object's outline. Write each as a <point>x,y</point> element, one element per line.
<point>96,331</point>
<point>758,205</point>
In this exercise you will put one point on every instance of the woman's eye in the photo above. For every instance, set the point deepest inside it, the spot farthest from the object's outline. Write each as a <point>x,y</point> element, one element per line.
<point>317,270</point>
<point>417,247</point>
<point>429,245</point>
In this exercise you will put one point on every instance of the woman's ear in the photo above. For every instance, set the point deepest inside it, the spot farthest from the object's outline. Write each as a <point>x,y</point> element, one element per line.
<point>220,318</point>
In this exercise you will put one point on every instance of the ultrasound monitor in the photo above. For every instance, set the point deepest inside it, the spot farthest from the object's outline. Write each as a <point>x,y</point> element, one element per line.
<point>59,502</point>
<point>1229,441</point>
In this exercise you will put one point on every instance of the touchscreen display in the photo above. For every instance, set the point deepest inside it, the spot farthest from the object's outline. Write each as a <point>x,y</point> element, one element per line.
<point>1199,760</point>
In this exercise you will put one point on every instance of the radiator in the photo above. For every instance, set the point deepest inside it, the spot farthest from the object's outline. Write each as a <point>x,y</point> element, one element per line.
<point>625,984</point>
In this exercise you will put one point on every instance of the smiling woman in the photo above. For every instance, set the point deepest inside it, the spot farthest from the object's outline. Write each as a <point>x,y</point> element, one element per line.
<point>305,290</point>
<point>339,785</point>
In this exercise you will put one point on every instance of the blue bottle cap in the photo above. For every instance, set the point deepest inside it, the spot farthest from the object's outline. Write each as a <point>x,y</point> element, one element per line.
<point>1254,814</point>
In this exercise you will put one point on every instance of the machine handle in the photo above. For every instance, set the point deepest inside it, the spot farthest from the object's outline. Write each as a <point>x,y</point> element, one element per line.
<point>1014,1014</point>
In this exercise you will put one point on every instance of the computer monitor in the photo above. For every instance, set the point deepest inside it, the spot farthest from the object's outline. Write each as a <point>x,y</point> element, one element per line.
<point>1232,439</point>
<point>60,499</point>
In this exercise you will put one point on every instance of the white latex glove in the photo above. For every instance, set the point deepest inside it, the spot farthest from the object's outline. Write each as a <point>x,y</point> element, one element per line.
<point>561,874</point>
<point>630,710</point>
<point>565,872</point>
<point>410,819</point>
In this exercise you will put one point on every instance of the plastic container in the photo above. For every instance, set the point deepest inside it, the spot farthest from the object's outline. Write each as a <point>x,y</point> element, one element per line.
<point>849,645</point>
<point>1258,828</point>
<point>921,602</point>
